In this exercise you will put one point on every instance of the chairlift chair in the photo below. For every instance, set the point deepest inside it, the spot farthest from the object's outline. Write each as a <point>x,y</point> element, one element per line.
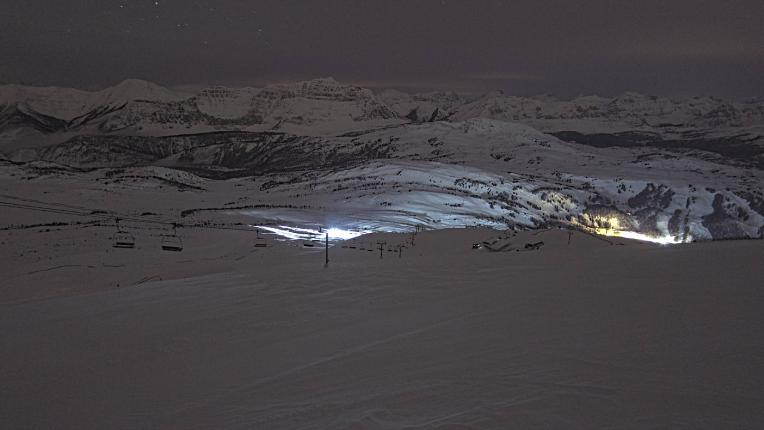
<point>172,243</point>
<point>123,239</point>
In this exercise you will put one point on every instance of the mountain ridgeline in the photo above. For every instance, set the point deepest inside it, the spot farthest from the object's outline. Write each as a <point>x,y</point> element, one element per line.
<point>325,106</point>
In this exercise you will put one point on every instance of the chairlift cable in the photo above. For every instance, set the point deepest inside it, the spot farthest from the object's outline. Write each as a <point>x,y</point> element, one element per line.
<point>108,215</point>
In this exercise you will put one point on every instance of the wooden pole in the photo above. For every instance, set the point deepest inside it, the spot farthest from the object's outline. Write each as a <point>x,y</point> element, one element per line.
<point>326,264</point>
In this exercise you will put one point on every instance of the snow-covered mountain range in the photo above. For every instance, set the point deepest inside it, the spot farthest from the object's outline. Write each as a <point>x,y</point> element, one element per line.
<point>321,106</point>
<point>627,111</point>
<point>326,107</point>
<point>670,170</point>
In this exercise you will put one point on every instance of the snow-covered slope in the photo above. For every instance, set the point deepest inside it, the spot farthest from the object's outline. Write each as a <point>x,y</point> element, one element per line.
<point>422,108</point>
<point>476,172</point>
<point>61,103</point>
<point>225,103</point>
<point>320,105</point>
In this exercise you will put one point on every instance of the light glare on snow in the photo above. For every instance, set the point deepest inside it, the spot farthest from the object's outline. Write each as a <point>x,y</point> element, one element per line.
<point>663,240</point>
<point>338,233</point>
<point>298,233</point>
<point>613,226</point>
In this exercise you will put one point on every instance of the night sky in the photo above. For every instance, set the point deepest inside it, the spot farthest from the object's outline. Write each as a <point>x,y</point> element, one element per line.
<point>564,48</point>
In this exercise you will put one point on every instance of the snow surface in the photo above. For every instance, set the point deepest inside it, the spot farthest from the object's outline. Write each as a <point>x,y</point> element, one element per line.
<point>224,335</point>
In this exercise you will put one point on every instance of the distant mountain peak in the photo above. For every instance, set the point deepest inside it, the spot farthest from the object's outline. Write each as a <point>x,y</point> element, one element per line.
<point>327,80</point>
<point>137,89</point>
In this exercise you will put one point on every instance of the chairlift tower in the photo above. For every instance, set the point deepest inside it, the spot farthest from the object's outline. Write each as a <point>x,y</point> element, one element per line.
<point>260,241</point>
<point>381,244</point>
